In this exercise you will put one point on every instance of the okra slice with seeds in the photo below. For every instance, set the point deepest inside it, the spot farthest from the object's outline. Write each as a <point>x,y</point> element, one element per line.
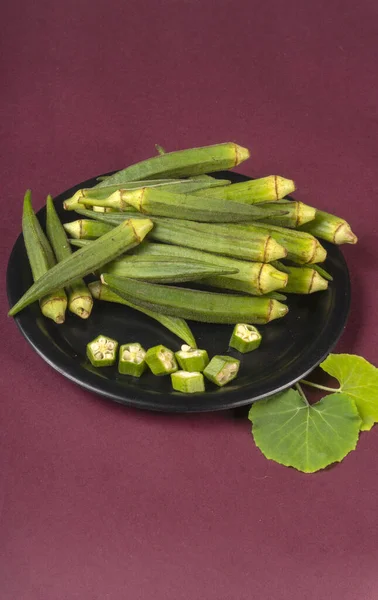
<point>132,359</point>
<point>245,338</point>
<point>192,359</point>
<point>222,369</point>
<point>161,360</point>
<point>102,351</point>
<point>188,383</point>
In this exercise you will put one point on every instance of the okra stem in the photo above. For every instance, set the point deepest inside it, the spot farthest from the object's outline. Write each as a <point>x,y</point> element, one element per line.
<point>304,280</point>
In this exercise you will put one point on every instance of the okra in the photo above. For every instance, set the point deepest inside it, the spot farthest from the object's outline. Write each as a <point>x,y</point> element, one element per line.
<point>183,163</point>
<point>330,228</point>
<point>245,338</point>
<point>89,195</point>
<point>216,238</point>
<point>188,383</point>
<point>102,351</point>
<point>254,278</point>
<point>174,324</point>
<point>132,359</point>
<point>322,272</point>
<point>208,307</point>
<point>304,280</point>
<point>163,203</point>
<point>162,269</point>
<point>301,247</point>
<point>265,189</point>
<point>115,199</point>
<point>192,359</point>
<point>87,259</point>
<point>161,360</point>
<point>297,213</point>
<point>53,303</point>
<point>87,229</point>
<point>80,301</point>
<point>222,369</point>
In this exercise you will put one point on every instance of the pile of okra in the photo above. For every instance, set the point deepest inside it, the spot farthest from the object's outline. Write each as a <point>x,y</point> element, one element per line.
<point>165,221</point>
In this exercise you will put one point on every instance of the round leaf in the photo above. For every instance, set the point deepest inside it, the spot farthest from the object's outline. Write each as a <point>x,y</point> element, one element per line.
<point>359,379</point>
<point>308,438</point>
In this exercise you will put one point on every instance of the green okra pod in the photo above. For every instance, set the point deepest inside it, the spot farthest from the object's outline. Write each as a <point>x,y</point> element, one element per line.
<point>188,383</point>
<point>301,247</point>
<point>161,360</point>
<point>174,324</point>
<point>222,369</point>
<point>182,163</point>
<point>245,338</point>
<point>132,359</point>
<point>296,213</point>
<point>80,301</point>
<point>87,229</point>
<point>256,246</point>
<point>86,260</point>
<point>265,189</point>
<point>163,203</point>
<point>256,278</point>
<point>198,305</point>
<point>162,269</point>
<point>53,303</point>
<point>192,359</point>
<point>330,228</point>
<point>102,351</point>
<point>304,280</point>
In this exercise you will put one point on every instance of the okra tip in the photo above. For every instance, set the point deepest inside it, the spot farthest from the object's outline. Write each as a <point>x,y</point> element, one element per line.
<point>81,306</point>
<point>241,154</point>
<point>140,227</point>
<point>55,308</point>
<point>320,253</point>
<point>318,283</point>
<point>283,186</point>
<point>273,250</point>
<point>344,235</point>
<point>276,310</point>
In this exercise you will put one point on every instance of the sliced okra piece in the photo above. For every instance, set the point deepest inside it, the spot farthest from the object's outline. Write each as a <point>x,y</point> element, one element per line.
<point>161,360</point>
<point>189,383</point>
<point>222,369</point>
<point>245,338</point>
<point>102,351</point>
<point>192,359</point>
<point>131,359</point>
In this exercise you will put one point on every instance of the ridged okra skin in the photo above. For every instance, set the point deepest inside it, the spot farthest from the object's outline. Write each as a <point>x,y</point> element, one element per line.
<point>188,382</point>
<point>41,258</point>
<point>207,307</point>
<point>182,163</point>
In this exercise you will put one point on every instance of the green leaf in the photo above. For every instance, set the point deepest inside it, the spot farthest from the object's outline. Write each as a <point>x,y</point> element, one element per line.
<point>359,379</point>
<point>308,438</point>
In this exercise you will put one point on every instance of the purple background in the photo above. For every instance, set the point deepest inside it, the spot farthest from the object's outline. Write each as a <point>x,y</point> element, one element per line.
<point>101,502</point>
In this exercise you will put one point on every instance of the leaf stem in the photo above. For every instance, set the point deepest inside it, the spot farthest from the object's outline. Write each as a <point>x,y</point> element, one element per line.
<point>320,387</point>
<point>299,388</point>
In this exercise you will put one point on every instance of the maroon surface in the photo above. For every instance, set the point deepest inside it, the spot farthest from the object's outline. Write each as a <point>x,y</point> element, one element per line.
<point>100,502</point>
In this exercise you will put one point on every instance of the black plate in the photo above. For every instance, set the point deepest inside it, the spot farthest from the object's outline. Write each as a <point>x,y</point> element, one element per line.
<point>290,349</point>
